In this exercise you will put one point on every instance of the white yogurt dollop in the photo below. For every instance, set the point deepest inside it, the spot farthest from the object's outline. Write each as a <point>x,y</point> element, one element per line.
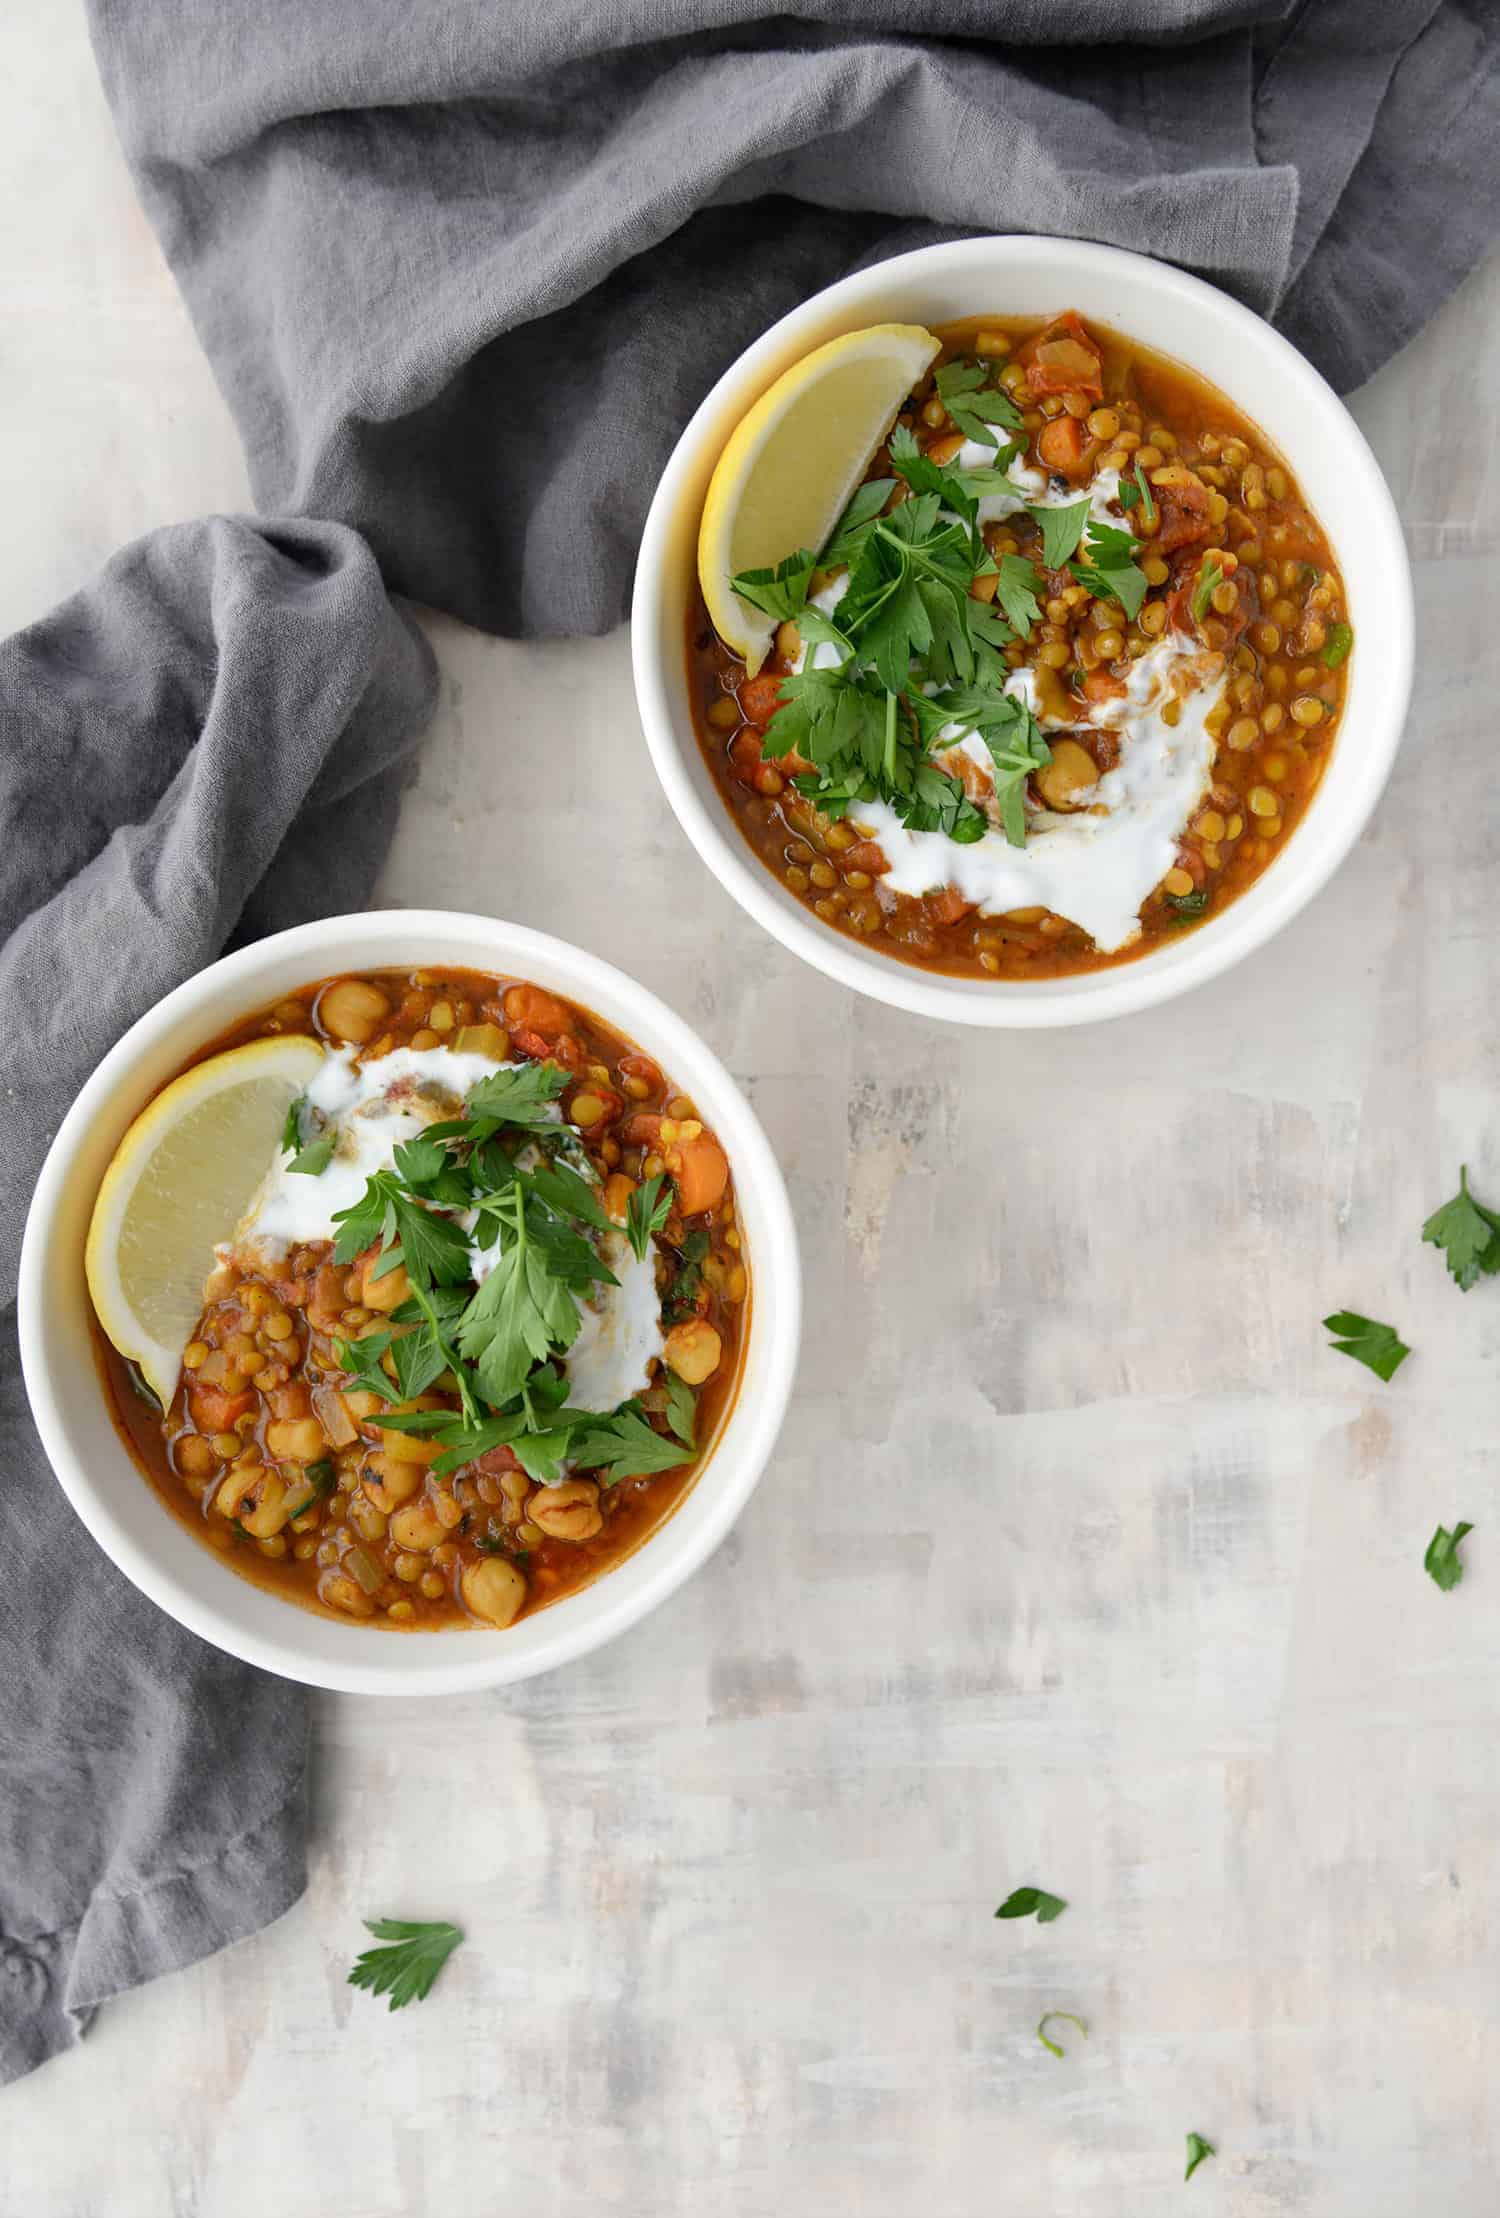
<point>1097,865</point>
<point>372,1109</point>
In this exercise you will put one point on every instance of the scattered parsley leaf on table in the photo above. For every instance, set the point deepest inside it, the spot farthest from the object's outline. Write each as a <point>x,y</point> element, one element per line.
<point>1375,1346</point>
<point>1021,1902</point>
<point>1467,1233</point>
<point>1441,1562</point>
<point>406,1969</point>
<point>1197,2150</point>
<point>1054,2017</point>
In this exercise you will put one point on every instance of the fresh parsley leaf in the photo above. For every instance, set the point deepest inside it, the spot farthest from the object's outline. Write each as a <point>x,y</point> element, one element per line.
<point>965,391</point>
<point>848,533</point>
<point>518,1093</point>
<point>1197,2150</point>
<point>1374,1345</point>
<point>1061,530</point>
<point>646,1212</point>
<point>1058,2017</point>
<point>625,1445</point>
<point>1143,493</point>
<point>520,1315</point>
<point>1128,495</point>
<point>432,1247</point>
<point>1209,577</point>
<point>682,1299</point>
<point>780,592</point>
<point>1023,1901</point>
<point>1441,1560</point>
<point>924,475</point>
<point>291,1125</point>
<point>1336,646</point>
<point>1109,569</point>
<point>367,1221</point>
<point>1019,591</point>
<point>421,1161</point>
<point>406,1969</point>
<point>361,1359</point>
<point>568,1195</point>
<point>682,1408</point>
<point>1468,1234</point>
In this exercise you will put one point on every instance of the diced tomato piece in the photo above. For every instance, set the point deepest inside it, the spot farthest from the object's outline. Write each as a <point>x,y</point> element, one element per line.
<point>496,1462</point>
<point>1183,513</point>
<point>867,855</point>
<point>1061,444</point>
<point>760,699</point>
<point>947,906</point>
<point>643,1130</point>
<point>1065,358</point>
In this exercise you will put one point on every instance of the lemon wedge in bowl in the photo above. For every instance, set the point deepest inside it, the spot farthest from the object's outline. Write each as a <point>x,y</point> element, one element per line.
<point>786,475</point>
<point>181,1179</point>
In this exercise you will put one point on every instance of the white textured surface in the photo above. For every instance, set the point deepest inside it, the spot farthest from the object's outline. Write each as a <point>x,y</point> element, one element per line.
<point>1082,1562</point>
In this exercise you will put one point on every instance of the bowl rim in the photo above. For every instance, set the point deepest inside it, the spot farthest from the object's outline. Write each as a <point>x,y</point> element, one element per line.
<point>1155,976</point>
<point>474,1659</point>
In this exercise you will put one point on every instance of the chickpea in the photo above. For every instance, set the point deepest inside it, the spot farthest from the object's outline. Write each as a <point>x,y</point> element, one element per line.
<point>295,1440</point>
<point>388,1484</point>
<point>352,1009</point>
<point>193,1455</point>
<point>270,1509</point>
<point>347,1595</point>
<point>569,1511</point>
<point>1071,771</point>
<point>388,1290</point>
<point>495,1590</point>
<point>693,1349</point>
<point>416,1530</point>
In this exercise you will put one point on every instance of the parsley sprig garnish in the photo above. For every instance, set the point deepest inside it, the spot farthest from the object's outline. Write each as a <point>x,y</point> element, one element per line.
<point>911,657</point>
<point>495,1299</point>
<point>1467,1233</point>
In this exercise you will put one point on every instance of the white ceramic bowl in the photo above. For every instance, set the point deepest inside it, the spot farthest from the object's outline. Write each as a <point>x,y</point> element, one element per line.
<point>116,1502</point>
<point>1277,389</point>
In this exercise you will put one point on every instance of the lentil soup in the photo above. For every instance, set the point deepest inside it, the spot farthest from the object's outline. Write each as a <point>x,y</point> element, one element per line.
<point>1063,681</point>
<point>477,1332</point>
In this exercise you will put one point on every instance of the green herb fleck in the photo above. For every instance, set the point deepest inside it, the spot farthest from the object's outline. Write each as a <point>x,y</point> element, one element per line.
<point>1023,1901</point>
<point>322,1478</point>
<point>1148,505</point>
<point>406,1969</point>
<point>1188,907</point>
<point>1441,1560</point>
<point>1058,2017</point>
<point>1197,2150</point>
<point>1336,647</point>
<point>315,1157</point>
<point>1374,1345</point>
<point>1210,576</point>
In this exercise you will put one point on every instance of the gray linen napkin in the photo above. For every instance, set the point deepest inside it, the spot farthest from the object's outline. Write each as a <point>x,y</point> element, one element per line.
<point>462,274</point>
<point>205,746</point>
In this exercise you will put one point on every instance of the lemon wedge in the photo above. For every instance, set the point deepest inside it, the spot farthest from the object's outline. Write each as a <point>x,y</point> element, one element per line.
<point>790,466</point>
<point>182,1178</point>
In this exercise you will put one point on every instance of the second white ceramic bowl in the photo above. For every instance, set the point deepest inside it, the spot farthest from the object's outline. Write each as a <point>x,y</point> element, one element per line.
<point>1179,316</point>
<point>121,1508</point>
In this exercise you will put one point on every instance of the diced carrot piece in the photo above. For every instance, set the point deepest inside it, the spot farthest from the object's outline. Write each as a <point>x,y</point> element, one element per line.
<point>537,1011</point>
<point>701,1170</point>
<point>215,1411</point>
<point>1061,443</point>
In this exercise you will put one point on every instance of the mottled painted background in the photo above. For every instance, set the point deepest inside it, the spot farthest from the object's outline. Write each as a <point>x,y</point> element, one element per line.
<point>1082,1560</point>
